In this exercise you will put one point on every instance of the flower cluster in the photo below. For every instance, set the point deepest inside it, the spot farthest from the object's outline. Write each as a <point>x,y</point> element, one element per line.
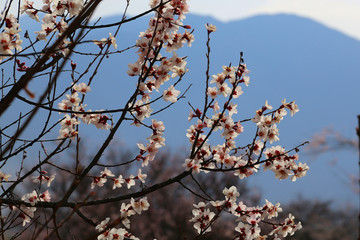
<point>55,19</point>
<point>73,103</point>
<point>278,160</point>
<point>162,31</point>
<point>210,27</point>
<point>51,25</point>
<point>73,7</point>
<point>118,182</point>
<point>267,129</point>
<point>141,111</point>
<point>127,210</point>
<point>53,7</point>
<point>288,227</point>
<point>222,156</point>
<point>283,165</point>
<point>34,197</point>
<point>211,156</point>
<point>202,218</point>
<point>230,75</point>
<point>10,37</point>
<point>156,140</point>
<point>248,217</point>
<point>43,178</point>
<point>110,41</point>
<point>27,213</point>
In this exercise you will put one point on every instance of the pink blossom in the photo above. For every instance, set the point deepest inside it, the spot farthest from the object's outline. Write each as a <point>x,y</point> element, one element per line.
<point>171,94</point>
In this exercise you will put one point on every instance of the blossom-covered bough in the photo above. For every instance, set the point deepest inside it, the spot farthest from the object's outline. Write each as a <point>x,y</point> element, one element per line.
<point>49,55</point>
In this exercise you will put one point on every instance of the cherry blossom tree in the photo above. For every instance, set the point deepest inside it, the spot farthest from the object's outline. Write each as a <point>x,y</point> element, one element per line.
<point>48,56</point>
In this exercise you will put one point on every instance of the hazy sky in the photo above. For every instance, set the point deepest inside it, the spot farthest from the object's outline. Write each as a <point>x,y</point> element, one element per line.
<point>342,15</point>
